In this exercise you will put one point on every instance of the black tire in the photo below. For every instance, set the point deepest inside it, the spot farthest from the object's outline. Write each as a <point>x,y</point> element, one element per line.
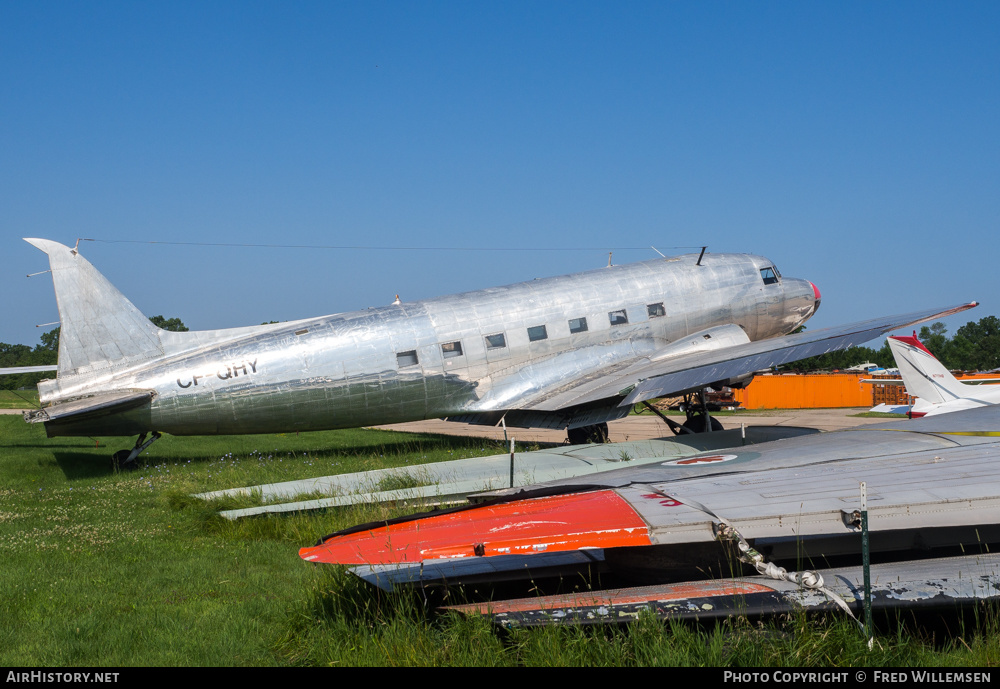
<point>119,461</point>
<point>696,424</point>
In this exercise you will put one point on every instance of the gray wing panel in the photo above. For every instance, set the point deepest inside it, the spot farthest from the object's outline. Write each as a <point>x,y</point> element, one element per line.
<point>883,442</point>
<point>938,488</point>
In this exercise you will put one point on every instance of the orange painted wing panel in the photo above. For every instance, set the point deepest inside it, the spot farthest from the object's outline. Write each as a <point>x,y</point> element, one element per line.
<point>598,519</point>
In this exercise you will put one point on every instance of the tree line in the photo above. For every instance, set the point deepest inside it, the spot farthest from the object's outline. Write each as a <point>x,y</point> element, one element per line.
<point>974,347</point>
<point>46,353</point>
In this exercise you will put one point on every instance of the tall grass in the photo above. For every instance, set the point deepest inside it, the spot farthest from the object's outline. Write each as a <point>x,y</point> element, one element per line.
<point>119,569</point>
<point>19,399</point>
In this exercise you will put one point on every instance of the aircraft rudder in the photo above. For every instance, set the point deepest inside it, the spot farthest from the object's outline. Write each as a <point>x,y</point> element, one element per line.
<point>923,375</point>
<point>99,326</point>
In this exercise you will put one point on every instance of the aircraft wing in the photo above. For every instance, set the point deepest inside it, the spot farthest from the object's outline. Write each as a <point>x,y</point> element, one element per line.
<point>933,474</point>
<point>659,375</point>
<point>923,584</point>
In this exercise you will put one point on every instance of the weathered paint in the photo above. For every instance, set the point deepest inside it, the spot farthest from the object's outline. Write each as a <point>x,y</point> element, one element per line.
<point>599,519</point>
<point>945,584</point>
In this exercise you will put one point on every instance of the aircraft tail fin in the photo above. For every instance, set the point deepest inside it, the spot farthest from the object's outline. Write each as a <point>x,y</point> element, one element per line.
<point>99,327</point>
<point>923,375</point>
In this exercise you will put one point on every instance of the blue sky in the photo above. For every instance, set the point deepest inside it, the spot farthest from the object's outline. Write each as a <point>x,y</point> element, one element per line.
<point>856,144</point>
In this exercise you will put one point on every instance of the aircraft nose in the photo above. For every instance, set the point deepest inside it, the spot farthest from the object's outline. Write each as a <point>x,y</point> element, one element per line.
<point>817,296</point>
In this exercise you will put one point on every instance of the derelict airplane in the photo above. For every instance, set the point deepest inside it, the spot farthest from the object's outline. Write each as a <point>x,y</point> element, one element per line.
<point>936,389</point>
<point>933,509</point>
<point>565,352</point>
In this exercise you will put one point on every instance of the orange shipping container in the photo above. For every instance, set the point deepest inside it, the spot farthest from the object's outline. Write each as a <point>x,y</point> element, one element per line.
<point>805,391</point>
<point>820,390</point>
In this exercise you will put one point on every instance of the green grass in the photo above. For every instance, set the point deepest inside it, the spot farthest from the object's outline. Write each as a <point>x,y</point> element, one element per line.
<point>18,399</point>
<point>113,569</point>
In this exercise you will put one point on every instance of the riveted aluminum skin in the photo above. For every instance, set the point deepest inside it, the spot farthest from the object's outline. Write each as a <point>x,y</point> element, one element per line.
<point>478,352</point>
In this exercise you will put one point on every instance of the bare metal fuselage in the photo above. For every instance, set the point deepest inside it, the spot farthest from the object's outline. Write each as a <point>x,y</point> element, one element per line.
<point>438,357</point>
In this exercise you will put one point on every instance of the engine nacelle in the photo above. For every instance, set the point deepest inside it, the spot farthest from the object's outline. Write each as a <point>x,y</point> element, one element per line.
<point>739,382</point>
<point>719,337</point>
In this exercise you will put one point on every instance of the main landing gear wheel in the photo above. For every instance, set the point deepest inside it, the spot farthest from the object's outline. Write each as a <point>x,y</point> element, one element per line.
<point>699,420</point>
<point>696,424</point>
<point>598,433</point>
<point>124,460</point>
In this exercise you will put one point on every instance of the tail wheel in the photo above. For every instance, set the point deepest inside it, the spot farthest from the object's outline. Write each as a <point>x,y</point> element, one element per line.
<point>119,461</point>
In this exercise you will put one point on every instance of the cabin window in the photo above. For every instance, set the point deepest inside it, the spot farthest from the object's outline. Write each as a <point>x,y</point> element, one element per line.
<point>767,274</point>
<point>618,317</point>
<point>451,349</point>
<point>497,341</point>
<point>405,359</point>
<point>537,333</point>
<point>577,325</point>
<point>656,310</point>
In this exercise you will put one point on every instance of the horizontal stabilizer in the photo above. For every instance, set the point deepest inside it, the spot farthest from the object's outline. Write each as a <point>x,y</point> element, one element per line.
<point>14,370</point>
<point>92,407</point>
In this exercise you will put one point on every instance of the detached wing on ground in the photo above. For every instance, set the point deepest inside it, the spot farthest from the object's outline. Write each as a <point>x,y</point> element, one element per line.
<point>926,479</point>
<point>942,584</point>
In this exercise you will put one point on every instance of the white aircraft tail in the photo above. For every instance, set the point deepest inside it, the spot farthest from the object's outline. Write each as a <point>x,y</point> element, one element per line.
<point>923,375</point>
<point>99,327</point>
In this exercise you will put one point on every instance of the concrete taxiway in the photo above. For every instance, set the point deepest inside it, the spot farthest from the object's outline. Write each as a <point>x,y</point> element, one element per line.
<point>648,426</point>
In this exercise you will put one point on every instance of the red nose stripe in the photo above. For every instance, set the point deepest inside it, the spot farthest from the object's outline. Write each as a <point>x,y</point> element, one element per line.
<point>599,519</point>
<point>816,292</point>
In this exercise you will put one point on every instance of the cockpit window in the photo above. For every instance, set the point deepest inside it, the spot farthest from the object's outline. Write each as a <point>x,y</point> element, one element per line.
<point>767,274</point>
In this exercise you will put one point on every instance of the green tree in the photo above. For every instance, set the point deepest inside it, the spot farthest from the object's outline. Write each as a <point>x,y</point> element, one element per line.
<point>174,324</point>
<point>23,355</point>
<point>46,353</point>
<point>50,341</point>
<point>845,358</point>
<point>979,344</point>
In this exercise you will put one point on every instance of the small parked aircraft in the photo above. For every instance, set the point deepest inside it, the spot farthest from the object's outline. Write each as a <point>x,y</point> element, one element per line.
<point>565,352</point>
<point>936,389</point>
